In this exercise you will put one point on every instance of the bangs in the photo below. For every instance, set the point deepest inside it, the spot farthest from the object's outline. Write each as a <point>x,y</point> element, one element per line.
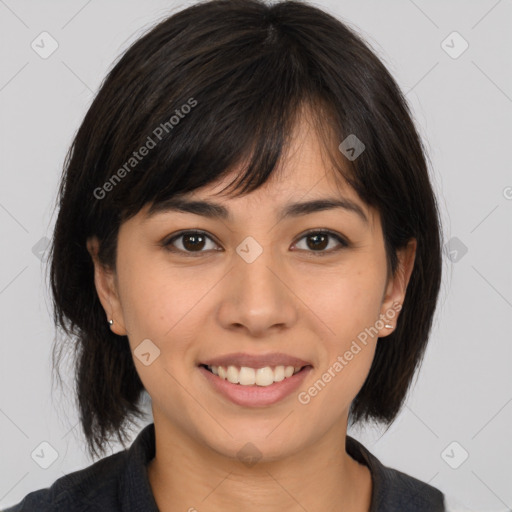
<point>256,154</point>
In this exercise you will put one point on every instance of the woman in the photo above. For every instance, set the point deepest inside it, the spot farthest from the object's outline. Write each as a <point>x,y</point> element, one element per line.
<point>248,233</point>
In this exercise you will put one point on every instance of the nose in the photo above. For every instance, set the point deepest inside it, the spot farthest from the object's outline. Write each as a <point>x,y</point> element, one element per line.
<point>259,297</point>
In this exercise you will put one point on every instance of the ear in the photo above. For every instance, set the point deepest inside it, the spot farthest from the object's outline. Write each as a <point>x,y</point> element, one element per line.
<point>396,288</point>
<point>106,287</point>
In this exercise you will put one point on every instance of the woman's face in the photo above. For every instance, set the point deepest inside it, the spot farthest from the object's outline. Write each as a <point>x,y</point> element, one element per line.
<point>255,291</point>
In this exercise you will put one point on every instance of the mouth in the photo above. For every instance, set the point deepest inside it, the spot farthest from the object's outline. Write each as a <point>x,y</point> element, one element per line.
<point>254,380</point>
<point>254,387</point>
<point>249,376</point>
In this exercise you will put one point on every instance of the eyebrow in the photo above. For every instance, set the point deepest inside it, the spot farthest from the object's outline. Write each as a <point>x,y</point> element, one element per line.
<point>217,211</point>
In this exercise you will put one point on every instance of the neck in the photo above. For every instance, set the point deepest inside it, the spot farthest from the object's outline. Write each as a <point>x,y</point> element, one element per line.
<point>186,476</point>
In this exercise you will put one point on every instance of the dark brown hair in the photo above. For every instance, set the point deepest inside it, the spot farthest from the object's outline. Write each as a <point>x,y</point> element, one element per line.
<point>215,85</point>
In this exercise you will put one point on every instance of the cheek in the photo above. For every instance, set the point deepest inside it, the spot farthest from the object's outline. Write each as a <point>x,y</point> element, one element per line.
<point>162,303</point>
<point>349,305</point>
<point>158,305</point>
<point>348,301</point>
<point>346,353</point>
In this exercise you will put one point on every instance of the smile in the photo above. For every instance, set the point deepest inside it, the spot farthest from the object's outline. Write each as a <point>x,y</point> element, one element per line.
<point>254,381</point>
<point>246,376</point>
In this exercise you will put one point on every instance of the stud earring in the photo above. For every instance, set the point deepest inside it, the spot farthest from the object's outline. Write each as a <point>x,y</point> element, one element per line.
<point>388,326</point>
<point>110,322</point>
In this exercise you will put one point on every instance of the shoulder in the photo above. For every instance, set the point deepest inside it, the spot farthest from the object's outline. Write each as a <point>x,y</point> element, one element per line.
<point>85,490</point>
<point>404,492</point>
<point>394,490</point>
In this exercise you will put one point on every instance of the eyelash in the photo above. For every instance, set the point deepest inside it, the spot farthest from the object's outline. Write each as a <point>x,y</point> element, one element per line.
<point>344,243</point>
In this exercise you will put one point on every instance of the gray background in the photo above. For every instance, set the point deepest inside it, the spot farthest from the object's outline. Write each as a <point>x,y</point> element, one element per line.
<point>463,107</point>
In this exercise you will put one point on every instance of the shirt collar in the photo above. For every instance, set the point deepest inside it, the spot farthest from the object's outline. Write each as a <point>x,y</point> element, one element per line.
<point>134,488</point>
<point>377,470</point>
<point>393,490</point>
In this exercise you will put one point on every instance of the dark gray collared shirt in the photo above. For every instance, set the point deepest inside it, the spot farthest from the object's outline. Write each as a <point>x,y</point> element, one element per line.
<point>119,483</point>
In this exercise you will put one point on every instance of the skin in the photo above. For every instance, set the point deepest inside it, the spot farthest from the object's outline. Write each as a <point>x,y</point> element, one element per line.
<point>288,300</point>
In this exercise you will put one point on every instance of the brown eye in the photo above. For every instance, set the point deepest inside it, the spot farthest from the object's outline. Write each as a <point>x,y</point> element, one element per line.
<point>193,242</point>
<point>190,242</point>
<point>318,241</point>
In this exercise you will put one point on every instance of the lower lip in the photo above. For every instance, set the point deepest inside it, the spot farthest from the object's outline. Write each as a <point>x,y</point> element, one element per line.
<point>256,396</point>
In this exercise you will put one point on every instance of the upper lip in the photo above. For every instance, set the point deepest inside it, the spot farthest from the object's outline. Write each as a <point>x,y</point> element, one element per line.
<point>256,361</point>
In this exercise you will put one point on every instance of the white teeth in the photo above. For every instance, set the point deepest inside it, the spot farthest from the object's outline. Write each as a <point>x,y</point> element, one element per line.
<point>220,371</point>
<point>232,374</point>
<point>264,376</point>
<point>246,376</point>
<point>279,373</point>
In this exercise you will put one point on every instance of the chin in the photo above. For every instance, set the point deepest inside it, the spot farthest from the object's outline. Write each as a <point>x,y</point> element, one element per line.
<point>254,442</point>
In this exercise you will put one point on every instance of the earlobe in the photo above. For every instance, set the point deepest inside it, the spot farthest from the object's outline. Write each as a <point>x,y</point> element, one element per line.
<point>397,287</point>
<point>106,288</point>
